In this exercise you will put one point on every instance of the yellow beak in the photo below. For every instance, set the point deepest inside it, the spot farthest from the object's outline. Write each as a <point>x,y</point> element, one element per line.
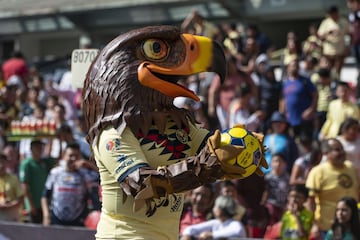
<point>202,55</point>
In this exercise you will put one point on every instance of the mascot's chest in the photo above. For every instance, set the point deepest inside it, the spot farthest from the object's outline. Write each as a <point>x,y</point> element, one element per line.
<point>173,144</point>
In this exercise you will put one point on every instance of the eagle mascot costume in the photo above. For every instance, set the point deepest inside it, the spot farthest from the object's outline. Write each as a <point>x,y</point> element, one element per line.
<point>148,151</point>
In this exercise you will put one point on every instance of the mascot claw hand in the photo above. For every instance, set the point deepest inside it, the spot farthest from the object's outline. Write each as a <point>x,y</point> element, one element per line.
<point>225,153</point>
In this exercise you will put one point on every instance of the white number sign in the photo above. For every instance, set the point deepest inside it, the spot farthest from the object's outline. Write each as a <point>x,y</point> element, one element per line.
<point>81,60</point>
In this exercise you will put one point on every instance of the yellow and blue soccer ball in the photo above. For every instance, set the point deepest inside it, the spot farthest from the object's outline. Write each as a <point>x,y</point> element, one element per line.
<point>250,157</point>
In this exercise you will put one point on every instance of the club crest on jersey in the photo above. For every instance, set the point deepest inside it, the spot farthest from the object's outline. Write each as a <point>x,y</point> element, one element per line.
<point>182,136</point>
<point>113,145</point>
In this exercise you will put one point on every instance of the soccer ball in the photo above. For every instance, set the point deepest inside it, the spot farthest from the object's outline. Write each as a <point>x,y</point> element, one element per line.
<point>250,157</point>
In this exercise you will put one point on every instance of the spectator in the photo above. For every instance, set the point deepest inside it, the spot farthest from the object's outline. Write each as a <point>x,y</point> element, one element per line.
<point>263,41</point>
<point>233,40</point>
<point>37,116</point>
<point>197,24</point>
<point>233,79</point>
<point>308,66</point>
<point>346,221</point>
<point>350,139</point>
<point>27,107</point>
<point>269,93</point>
<point>11,151</point>
<point>291,50</point>
<point>37,82</point>
<point>339,109</point>
<point>328,182</point>
<point>278,140</point>
<point>354,19</point>
<point>332,31</point>
<point>246,58</point>
<point>65,83</point>
<point>33,173</point>
<point>16,66</point>
<point>51,104</point>
<point>228,188</point>
<point>59,117</point>
<point>299,101</point>
<point>305,163</point>
<point>226,96</point>
<point>87,167</point>
<point>277,188</point>
<point>8,109</point>
<point>297,220</point>
<point>67,98</point>
<point>66,191</point>
<point>326,94</point>
<point>261,64</point>
<point>11,193</point>
<point>223,226</point>
<point>312,46</point>
<point>198,208</point>
<point>64,135</point>
<point>250,191</point>
<point>240,111</point>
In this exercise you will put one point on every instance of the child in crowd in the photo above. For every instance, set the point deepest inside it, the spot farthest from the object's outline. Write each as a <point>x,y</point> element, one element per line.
<point>279,140</point>
<point>228,188</point>
<point>277,188</point>
<point>297,220</point>
<point>346,224</point>
<point>222,227</point>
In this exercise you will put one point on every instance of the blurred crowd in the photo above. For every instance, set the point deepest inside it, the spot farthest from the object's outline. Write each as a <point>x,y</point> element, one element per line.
<point>294,95</point>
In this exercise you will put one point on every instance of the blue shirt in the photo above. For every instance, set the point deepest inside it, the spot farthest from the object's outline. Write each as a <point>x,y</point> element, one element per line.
<point>298,97</point>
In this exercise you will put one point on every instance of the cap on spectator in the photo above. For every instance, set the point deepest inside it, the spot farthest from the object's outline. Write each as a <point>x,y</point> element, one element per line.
<point>226,204</point>
<point>262,58</point>
<point>14,80</point>
<point>278,117</point>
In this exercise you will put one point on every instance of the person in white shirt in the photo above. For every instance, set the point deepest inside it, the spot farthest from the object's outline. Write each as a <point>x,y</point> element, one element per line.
<point>223,226</point>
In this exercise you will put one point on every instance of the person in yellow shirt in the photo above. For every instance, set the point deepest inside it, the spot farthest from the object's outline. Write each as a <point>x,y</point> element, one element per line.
<point>328,182</point>
<point>339,109</point>
<point>11,193</point>
<point>326,93</point>
<point>332,31</point>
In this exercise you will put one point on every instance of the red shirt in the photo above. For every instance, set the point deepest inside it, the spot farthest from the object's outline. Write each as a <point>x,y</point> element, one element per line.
<point>15,66</point>
<point>188,219</point>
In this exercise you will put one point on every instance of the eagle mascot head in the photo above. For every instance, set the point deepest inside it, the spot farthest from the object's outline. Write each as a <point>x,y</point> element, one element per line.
<point>134,79</point>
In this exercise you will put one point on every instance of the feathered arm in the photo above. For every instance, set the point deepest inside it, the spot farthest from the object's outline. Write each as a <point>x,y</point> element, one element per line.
<point>147,184</point>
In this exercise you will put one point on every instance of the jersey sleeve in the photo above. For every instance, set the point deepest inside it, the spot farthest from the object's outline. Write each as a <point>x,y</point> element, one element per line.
<point>120,155</point>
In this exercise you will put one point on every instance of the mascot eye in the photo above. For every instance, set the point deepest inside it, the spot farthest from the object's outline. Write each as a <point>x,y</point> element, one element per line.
<point>155,49</point>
